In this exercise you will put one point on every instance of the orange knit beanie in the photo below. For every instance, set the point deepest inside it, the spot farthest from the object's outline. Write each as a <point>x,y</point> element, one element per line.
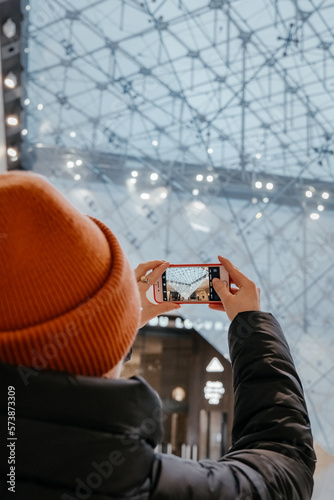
<point>68,296</point>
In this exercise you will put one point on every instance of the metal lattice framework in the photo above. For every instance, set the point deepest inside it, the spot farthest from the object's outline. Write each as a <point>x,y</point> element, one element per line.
<point>186,280</point>
<point>195,128</point>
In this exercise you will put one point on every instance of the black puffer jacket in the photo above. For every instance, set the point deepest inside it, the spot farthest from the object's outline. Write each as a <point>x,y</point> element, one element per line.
<point>90,438</point>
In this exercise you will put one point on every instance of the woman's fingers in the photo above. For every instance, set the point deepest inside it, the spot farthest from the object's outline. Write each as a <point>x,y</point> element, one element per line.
<point>144,267</point>
<point>217,307</point>
<point>238,278</point>
<point>157,272</point>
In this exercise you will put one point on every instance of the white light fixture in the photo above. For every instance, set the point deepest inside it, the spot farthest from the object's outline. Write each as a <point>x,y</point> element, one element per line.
<point>210,151</point>
<point>258,156</point>
<point>145,196</point>
<point>265,200</point>
<point>26,101</point>
<point>12,152</point>
<point>258,184</point>
<point>325,195</point>
<point>132,180</point>
<point>164,194</point>
<point>163,321</point>
<point>321,208</point>
<point>308,194</point>
<point>200,227</point>
<point>40,106</point>
<point>12,121</point>
<point>24,131</point>
<point>314,216</point>
<point>39,145</point>
<point>27,7</point>
<point>73,134</point>
<point>269,186</point>
<point>258,215</point>
<point>215,366</point>
<point>9,28</point>
<point>195,192</point>
<point>155,143</point>
<point>134,173</point>
<point>254,200</point>
<point>199,177</point>
<point>70,164</point>
<point>209,178</point>
<point>178,394</point>
<point>78,163</point>
<point>154,177</point>
<point>199,205</point>
<point>10,80</point>
<point>77,177</point>
<point>213,391</point>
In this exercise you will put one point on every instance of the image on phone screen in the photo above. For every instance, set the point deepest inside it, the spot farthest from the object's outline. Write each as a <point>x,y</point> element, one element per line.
<point>190,284</point>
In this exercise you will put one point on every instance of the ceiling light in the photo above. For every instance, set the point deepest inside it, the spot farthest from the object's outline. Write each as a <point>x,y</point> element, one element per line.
<point>155,143</point>
<point>258,184</point>
<point>258,156</point>
<point>24,131</point>
<point>72,134</point>
<point>325,195</point>
<point>215,366</point>
<point>134,173</point>
<point>27,7</point>
<point>254,200</point>
<point>70,164</point>
<point>145,196</point>
<point>154,177</point>
<point>321,208</point>
<point>195,192</point>
<point>308,194</point>
<point>10,80</point>
<point>199,177</point>
<point>258,215</point>
<point>209,178</point>
<point>132,180</point>
<point>12,121</point>
<point>11,152</point>
<point>9,28</point>
<point>39,145</point>
<point>199,205</point>
<point>314,216</point>
<point>210,151</point>
<point>26,102</point>
<point>265,200</point>
<point>200,227</point>
<point>78,163</point>
<point>163,195</point>
<point>269,186</point>
<point>40,107</point>
<point>77,177</point>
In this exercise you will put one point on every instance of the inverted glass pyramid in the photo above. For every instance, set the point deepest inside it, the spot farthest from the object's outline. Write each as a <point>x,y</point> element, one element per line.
<point>186,280</point>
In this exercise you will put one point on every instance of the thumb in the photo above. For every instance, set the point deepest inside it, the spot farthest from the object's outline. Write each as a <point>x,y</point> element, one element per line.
<point>221,288</point>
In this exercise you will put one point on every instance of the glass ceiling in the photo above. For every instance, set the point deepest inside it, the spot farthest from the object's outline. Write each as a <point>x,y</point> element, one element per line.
<point>194,128</point>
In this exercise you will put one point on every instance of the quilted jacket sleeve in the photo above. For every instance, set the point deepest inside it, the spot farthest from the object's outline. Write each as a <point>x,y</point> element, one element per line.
<point>272,455</point>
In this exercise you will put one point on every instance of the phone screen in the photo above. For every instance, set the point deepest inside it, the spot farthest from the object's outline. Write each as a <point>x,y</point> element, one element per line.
<point>190,284</point>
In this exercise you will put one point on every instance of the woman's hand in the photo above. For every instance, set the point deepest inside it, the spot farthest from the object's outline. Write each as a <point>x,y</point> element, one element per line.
<point>244,298</point>
<point>148,309</point>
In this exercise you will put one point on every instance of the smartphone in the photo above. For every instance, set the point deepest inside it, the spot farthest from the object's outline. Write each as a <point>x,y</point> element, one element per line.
<point>189,283</point>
